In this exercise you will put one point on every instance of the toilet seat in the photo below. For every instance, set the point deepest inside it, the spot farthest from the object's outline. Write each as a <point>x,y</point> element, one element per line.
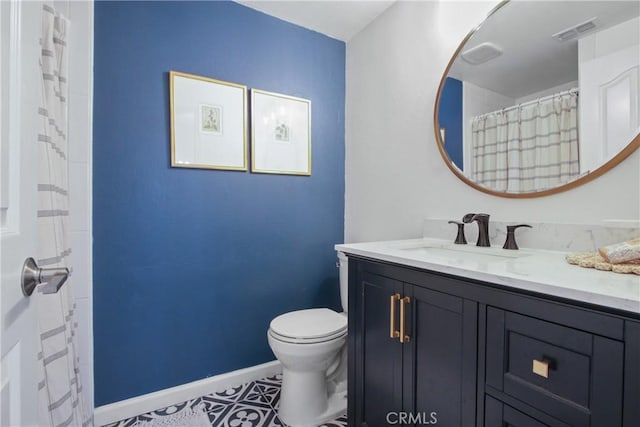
<point>308,326</point>
<point>299,340</point>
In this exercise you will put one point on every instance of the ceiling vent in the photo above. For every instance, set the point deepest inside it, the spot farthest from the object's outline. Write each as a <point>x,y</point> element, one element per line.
<point>482,53</point>
<point>575,31</point>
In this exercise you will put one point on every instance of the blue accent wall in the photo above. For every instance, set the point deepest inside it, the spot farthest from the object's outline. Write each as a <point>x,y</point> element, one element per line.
<point>450,117</point>
<point>190,265</point>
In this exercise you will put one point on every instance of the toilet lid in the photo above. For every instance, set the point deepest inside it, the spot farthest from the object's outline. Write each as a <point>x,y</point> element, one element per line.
<point>309,324</point>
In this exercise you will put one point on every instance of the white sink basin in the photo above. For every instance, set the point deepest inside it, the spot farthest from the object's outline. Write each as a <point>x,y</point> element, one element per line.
<point>462,253</point>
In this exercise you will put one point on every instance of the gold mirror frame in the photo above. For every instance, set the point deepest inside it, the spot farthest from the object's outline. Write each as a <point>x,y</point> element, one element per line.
<point>617,159</point>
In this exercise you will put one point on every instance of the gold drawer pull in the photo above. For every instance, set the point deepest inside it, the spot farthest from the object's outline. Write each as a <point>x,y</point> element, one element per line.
<point>541,367</point>
<point>403,337</point>
<point>392,316</point>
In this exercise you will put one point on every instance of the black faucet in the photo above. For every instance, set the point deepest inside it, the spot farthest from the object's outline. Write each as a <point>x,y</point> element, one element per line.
<point>483,227</point>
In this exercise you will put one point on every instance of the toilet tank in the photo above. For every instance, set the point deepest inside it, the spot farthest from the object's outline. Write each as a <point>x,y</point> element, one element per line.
<point>343,264</point>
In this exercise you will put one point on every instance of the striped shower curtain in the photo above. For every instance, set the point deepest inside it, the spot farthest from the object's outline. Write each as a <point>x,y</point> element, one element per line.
<point>528,148</point>
<point>60,396</point>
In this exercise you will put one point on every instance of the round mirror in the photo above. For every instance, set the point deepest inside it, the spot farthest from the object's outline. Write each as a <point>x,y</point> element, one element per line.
<point>542,96</point>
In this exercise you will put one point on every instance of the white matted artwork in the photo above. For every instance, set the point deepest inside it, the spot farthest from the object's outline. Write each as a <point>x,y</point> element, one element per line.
<point>208,123</point>
<point>281,134</point>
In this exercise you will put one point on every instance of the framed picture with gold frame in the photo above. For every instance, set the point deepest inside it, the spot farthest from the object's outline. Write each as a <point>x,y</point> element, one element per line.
<point>208,123</point>
<point>280,134</point>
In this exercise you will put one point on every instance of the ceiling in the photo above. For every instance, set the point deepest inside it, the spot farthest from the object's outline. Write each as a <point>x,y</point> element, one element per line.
<point>532,60</point>
<point>338,19</point>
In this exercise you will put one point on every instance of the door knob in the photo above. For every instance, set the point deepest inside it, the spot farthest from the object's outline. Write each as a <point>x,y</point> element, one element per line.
<point>32,276</point>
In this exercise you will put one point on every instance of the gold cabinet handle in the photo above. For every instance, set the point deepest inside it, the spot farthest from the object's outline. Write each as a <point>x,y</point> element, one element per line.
<point>392,316</point>
<point>541,367</point>
<point>403,337</point>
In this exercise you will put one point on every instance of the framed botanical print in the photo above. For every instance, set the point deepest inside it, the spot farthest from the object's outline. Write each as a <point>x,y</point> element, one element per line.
<point>208,123</point>
<point>280,134</point>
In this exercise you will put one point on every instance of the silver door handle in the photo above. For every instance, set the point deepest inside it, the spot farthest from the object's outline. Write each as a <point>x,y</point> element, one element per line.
<point>32,276</point>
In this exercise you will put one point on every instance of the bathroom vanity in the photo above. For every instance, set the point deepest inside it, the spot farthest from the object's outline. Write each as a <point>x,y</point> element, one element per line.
<point>459,335</point>
<point>456,335</point>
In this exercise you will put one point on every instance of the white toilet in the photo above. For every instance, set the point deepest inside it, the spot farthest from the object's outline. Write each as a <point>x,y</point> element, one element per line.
<point>311,345</point>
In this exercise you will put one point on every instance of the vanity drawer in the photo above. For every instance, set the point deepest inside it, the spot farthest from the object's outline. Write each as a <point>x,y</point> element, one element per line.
<point>499,414</point>
<point>572,375</point>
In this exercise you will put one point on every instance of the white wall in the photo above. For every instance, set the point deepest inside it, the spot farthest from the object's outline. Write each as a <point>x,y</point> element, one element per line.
<point>610,40</point>
<point>80,45</point>
<point>395,176</point>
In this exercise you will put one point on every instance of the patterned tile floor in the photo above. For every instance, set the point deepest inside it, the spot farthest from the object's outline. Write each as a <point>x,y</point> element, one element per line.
<point>253,404</point>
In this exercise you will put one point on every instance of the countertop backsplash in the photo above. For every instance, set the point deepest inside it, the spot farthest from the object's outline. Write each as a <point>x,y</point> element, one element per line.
<point>557,237</point>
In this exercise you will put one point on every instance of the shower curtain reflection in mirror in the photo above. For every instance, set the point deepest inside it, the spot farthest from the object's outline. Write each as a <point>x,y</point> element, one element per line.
<point>527,148</point>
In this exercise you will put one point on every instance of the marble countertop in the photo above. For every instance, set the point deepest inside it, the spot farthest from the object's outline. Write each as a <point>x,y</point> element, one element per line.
<point>540,271</point>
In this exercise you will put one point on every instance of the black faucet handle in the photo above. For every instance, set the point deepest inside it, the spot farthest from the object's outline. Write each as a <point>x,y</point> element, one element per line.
<point>460,239</point>
<point>510,243</point>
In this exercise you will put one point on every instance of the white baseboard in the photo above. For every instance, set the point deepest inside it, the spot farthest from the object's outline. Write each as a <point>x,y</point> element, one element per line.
<point>160,399</point>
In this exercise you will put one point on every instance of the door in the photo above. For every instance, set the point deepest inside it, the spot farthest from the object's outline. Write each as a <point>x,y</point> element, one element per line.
<point>428,378</point>
<point>378,356</point>
<point>20,93</point>
<point>609,93</point>
<point>440,358</point>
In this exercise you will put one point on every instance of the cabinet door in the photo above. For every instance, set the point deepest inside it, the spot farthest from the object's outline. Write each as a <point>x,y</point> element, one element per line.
<point>378,357</point>
<point>632,374</point>
<point>440,359</point>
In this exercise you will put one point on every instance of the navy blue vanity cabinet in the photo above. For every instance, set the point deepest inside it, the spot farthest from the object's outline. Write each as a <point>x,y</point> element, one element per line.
<point>481,354</point>
<point>412,350</point>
